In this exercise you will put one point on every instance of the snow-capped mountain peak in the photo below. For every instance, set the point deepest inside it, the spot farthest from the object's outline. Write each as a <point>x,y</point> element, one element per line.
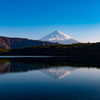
<point>58,36</point>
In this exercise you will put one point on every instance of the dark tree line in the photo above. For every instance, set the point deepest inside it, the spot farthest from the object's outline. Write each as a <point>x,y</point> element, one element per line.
<point>79,49</point>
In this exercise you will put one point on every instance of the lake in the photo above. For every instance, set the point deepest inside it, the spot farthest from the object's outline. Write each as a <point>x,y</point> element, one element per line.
<point>49,79</point>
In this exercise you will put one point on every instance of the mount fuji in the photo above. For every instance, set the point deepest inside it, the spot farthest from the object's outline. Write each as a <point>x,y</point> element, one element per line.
<point>60,37</point>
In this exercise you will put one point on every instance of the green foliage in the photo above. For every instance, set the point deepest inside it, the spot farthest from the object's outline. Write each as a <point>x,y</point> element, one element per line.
<point>79,49</point>
<point>5,50</point>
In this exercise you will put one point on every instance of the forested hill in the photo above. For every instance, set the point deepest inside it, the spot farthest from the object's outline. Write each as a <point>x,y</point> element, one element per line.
<point>79,49</point>
<point>8,43</point>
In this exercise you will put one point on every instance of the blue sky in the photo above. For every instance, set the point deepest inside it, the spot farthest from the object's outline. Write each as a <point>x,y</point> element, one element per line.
<point>33,19</point>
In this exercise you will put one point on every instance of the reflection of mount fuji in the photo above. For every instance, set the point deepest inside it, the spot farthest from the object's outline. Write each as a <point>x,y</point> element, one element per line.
<point>58,72</point>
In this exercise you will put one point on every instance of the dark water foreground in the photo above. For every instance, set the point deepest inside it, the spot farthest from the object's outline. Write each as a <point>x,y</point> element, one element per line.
<point>50,78</point>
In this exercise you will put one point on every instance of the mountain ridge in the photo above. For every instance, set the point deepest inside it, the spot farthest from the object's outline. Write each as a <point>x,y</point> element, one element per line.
<point>10,43</point>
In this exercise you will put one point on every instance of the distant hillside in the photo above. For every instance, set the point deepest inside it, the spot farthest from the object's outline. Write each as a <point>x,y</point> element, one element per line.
<point>6,42</point>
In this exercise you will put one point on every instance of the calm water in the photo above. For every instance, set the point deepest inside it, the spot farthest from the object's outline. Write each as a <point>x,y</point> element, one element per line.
<point>49,79</point>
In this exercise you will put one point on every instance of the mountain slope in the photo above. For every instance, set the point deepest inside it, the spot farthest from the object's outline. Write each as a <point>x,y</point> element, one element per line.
<point>60,37</point>
<point>6,42</point>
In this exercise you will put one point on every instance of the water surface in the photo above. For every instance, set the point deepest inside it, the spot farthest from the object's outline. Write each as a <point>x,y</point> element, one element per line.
<point>43,79</point>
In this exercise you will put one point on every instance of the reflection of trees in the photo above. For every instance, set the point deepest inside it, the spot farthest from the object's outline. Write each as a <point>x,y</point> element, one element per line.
<point>25,64</point>
<point>61,61</point>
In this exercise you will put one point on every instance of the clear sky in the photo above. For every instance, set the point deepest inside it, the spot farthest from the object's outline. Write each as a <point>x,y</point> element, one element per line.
<point>33,19</point>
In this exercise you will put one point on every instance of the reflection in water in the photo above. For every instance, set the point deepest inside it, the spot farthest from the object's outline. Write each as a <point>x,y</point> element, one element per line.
<point>47,65</point>
<point>58,72</point>
<point>55,72</point>
<point>5,67</point>
<point>83,84</point>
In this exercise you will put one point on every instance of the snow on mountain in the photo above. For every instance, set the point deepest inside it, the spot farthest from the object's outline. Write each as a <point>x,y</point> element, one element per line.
<point>58,72</point>
<point>60,37</point>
